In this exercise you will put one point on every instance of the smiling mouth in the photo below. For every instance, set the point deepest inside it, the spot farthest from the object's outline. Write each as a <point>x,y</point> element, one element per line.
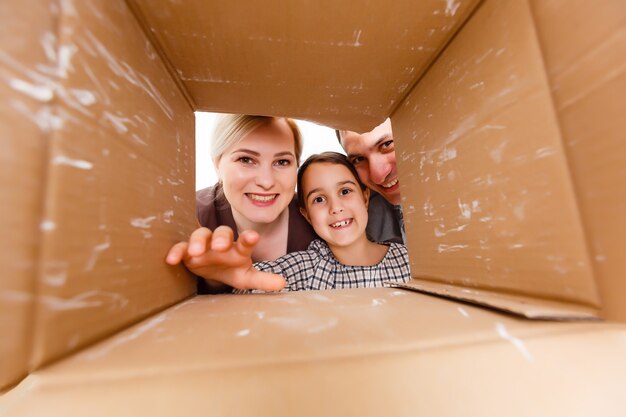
<point>341,223</point>
<point>389,184</point>
<point>262,198</point>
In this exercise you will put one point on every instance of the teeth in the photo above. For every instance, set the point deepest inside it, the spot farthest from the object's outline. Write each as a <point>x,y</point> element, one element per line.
<point>341,223</point>
<point>390,184</point>
<point>262,198</point>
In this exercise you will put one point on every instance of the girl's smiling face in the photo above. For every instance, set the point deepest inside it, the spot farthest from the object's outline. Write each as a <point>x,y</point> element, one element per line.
<point>335,205</point>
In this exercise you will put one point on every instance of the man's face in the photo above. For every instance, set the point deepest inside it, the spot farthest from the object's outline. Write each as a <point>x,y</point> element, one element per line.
<point>373,154</point>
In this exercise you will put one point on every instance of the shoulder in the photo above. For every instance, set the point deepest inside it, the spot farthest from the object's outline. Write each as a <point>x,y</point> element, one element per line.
<point>397,253</point>
<point>384,224</point>
<point>209,196</point>
<point>300,233</point>
<point>319,248</point>
<point>295,262</point>
<point>379,205</point>
<point>212,208</point>
<point>316,250</point>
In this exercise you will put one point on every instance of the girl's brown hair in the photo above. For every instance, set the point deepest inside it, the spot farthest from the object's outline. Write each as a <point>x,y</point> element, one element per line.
<point>328,158</point>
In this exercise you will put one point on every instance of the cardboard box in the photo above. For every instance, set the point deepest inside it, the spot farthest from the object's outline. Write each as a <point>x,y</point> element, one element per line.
<point>508,133</point>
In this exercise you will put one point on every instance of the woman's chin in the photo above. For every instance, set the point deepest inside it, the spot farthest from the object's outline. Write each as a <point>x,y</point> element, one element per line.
<point>263,215</point>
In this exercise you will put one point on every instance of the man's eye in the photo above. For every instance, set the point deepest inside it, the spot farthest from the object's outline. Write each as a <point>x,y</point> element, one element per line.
<point>357,160</point>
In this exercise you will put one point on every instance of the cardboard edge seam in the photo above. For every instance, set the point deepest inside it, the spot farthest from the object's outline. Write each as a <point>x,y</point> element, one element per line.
<point>143,25</point>
<point>568,163</point>
<point>521,306</point>
<point>436,56</point>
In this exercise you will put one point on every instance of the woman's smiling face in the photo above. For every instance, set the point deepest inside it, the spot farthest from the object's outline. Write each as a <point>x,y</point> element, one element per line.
<point>258,173</point>
<point>335,204</point>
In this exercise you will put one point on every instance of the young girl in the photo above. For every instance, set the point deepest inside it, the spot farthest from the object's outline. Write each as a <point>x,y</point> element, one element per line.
<point>334,201</point>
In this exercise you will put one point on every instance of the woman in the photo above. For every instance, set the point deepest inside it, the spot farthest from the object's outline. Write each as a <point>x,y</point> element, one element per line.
<point>256,159</point>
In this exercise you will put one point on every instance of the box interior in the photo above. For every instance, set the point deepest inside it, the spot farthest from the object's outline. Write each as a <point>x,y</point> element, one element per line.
<point>506,118</point>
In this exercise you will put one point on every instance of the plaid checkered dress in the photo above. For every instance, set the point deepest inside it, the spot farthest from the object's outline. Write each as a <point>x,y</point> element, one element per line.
<point>317,269</point>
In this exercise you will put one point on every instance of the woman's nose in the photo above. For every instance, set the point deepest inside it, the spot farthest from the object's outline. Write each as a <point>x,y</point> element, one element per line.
<point>265,178</point>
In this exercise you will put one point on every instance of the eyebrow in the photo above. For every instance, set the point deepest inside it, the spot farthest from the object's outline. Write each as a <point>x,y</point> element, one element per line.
<point>255,153</point>
<point>382,139</point>
<point>319,189</point>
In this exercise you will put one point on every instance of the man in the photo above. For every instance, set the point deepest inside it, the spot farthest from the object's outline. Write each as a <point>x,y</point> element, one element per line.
<point>374,157</point>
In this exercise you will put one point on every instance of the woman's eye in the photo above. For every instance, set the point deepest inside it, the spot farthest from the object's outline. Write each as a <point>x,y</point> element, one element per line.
<point>283,162</point>
<point>245,160</point>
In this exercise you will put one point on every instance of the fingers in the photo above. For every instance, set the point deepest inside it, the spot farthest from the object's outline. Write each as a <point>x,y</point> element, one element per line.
<point>176,253</point>
<point>223,238</point>
<point>247,242</point>
<point>198,241</point>
<point>215,255</point>
<point>264,281</point>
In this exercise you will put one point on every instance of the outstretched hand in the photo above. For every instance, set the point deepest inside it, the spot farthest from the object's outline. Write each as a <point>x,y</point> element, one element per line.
<point>216,256</point>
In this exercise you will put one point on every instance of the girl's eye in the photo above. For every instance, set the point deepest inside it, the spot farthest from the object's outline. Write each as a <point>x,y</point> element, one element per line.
<point>283,162</point>
<point>345,191</point>
<point>318,199</point>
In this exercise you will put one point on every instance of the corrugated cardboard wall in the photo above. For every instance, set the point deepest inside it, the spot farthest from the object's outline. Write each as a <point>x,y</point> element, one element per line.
<point>486,189</point>
<point>490,202</point>
<point>337,63</point>
<point>25,117</point>
<point>584,47</point>
<point>88,94</point>
<point>120,185</point>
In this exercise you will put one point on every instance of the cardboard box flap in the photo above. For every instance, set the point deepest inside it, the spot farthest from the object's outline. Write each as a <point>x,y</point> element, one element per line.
<point>487,195</point>
<point>529,307</point>
<point>342,64</point>
<point>584,47</point>
<point>120,181</point>
<point>367,351</point>
<point>25,116</point>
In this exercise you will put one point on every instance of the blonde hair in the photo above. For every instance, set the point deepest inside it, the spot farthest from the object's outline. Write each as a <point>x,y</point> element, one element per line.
<point>231,128</point>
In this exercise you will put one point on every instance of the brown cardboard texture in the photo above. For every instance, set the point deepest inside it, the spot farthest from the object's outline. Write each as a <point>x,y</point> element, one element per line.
<point>355,63</point>
<point>23,122</point>
<point>510,152</point>
<point>118,140</point>
<point>480,125</point>
<point>586,72</point>
<point>344,352</point>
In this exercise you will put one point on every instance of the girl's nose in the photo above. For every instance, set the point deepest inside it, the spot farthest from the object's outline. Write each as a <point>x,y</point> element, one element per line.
<point>336,208</point>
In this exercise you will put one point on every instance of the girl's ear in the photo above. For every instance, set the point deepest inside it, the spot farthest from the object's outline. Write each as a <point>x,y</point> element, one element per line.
<point>305,214</point>
<point>366,196</point>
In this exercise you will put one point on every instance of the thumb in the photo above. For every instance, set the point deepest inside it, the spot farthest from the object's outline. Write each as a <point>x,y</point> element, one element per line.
<point>265,281</point>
